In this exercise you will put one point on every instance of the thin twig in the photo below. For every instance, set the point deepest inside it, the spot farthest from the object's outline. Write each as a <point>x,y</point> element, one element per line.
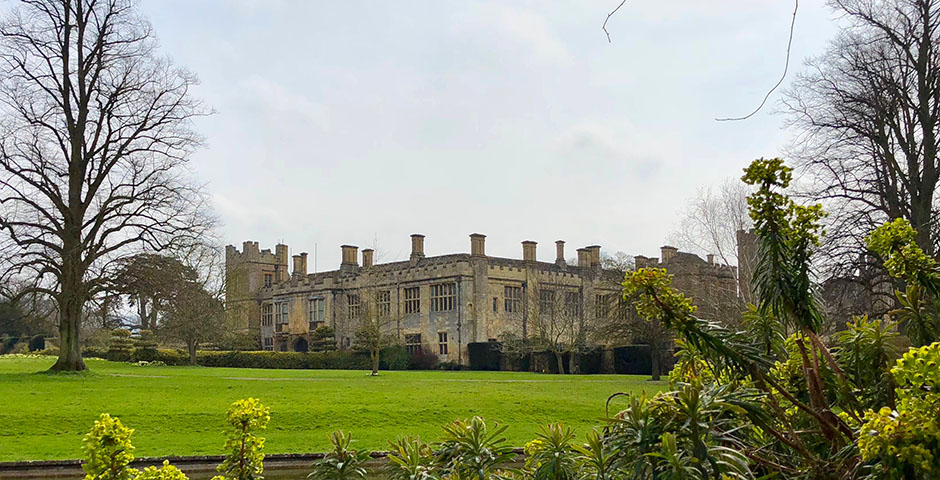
<point>786,66</point>
<point>604,28</point>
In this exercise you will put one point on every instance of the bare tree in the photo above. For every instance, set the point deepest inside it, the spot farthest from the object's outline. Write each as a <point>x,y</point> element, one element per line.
<point>96,132</point>
<point>710,223</point>
<point>558,324</point>
<point>194,316</point>
<point>374,332</point>
<point>867,114</point>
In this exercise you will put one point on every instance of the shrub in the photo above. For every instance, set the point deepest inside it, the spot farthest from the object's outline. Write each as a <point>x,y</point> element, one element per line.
<point>51,351</point>
<point>290,360</point>
<point>411,459</point>
<point>394,357</point>
<point>423,359</point>
<point>342,462</point>
<point>170,357</point>
<point>245,459</point>
<point>108,452</point>
<point>121,347</point>
<point>37,343</point>
<point>551,456</point>
<point>450,365</point>
<point>145,347</point>
<point>903,443</point>
<point>166,472</point>
<point>323,339</point>
<point>470,450</point>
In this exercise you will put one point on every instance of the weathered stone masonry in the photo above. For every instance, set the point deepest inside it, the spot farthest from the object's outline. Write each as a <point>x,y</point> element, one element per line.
<point>440,303</point>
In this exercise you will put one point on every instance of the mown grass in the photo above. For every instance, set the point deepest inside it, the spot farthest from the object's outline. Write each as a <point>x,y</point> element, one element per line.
<point>180,410</point>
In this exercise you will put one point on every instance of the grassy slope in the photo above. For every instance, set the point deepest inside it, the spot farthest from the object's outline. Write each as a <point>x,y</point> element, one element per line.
<point>180,410</point>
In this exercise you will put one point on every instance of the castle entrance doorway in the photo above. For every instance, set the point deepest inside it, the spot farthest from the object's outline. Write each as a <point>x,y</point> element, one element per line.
<point>301,345</point>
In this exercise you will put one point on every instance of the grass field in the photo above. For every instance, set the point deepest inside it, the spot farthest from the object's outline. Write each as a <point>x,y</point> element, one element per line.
<point>180,410</point>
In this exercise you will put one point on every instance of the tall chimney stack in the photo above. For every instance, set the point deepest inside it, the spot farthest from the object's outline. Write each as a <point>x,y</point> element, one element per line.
<point>300,265</point>
<point>417,246</point>
<point>350,258</point>
<point>667,253</point>
<point>477,244</point>
<point>711,258</point>
<point>528,251</point>
<point>367,257</point>
<point>595,255</point>
<point>584,257</point>
<point>280,270</point>
<point>560,253</point>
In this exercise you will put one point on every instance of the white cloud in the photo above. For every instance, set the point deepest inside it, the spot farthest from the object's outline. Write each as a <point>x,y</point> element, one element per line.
<point>523,27</point>
<point>276,99</point>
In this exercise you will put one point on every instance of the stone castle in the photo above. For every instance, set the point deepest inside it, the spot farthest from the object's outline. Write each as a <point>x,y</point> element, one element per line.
<point>440,303</point>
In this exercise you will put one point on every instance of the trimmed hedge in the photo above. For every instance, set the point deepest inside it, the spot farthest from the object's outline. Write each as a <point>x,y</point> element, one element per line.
<point>346,360</point>
<point>484,355</point>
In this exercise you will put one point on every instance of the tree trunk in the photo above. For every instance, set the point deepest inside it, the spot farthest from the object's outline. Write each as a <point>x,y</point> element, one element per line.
<point>191,346</point>
<point>572,363</point>
<point>561,363</point>
<point>70,348</point>
<point>375,361</point>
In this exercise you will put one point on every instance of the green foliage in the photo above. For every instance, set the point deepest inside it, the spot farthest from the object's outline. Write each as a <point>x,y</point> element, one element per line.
<point>904,443</point>
<point>895,243</point>
<point>766,329</point>
<point>323,339</point>
<point>343,360</point>
<point>788,234</point>
<point>867,348</point>
<point>597,458</point>
<point>551,456</point>
<point>341,462</point>
<point>918,314</point>
<point>145,347</point>
<point>108,450</point>
<point>244,459</point>
<point>471,451</point>
<point>165,472</point>
<point>121,346</point>
<point>656,300</point>
<point>394,357</point>
<point>411,459</point>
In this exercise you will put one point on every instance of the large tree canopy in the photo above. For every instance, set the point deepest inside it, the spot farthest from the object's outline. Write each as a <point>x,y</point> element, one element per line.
<point>96,132</point>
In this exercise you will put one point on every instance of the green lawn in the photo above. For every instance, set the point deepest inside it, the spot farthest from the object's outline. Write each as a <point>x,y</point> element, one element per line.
<point>180,410</point>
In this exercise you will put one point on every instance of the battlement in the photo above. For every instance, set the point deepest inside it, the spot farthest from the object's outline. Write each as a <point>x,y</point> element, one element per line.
<point>251,252</point>
<point>678,262</point>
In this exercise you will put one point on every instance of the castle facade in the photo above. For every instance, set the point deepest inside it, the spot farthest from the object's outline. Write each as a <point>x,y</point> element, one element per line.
<point>439,303</point>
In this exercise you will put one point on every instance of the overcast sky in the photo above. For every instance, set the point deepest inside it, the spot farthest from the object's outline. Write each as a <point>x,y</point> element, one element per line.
<point>363,122</point>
